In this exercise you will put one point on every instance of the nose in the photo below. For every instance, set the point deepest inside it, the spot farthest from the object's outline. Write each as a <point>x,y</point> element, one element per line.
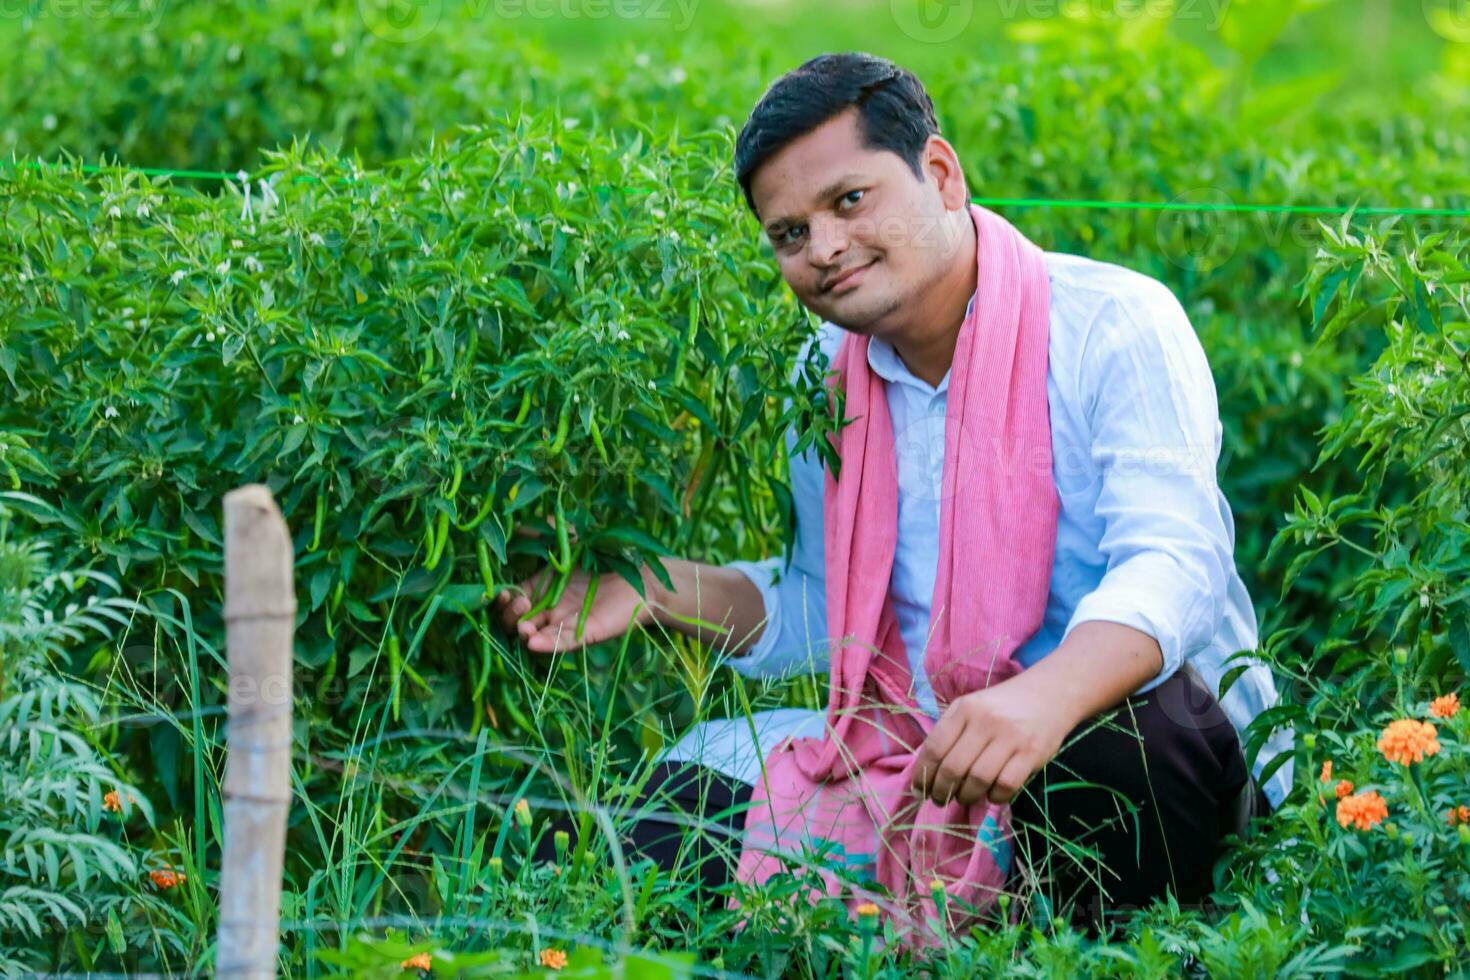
<point>828,241</point>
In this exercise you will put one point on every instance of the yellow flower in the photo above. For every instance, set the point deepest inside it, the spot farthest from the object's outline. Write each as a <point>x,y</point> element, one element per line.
<point>1407,740</point>
<point>867,910</point>
<point>1445,707</point>
<point>418,961</point>
<point>523,813</point>
<point>554,959</point>
<point>1363,810</point>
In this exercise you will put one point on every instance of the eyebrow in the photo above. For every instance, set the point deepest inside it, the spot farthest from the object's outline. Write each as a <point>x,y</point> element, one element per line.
<point>779,224</point>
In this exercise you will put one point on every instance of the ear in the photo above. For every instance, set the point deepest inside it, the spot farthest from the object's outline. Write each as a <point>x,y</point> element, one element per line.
<point>942,165</point>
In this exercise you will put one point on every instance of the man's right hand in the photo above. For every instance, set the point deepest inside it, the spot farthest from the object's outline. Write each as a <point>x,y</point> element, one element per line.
<point>616,608</point>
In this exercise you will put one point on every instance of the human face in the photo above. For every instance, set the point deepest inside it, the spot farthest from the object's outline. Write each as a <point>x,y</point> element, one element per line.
<point>859,239</point>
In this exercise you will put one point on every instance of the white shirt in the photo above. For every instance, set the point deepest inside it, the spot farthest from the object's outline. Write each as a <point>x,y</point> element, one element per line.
<point>1145,537</point>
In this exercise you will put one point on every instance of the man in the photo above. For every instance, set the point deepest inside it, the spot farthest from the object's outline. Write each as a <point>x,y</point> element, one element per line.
<point>867,210</point>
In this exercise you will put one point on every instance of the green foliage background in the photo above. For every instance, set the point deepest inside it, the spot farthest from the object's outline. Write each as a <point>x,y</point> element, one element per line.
<point>471,279</point>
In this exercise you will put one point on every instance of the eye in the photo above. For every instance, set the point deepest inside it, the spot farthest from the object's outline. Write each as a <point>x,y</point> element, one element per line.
<point>849,194</point>
<point>784,238</point>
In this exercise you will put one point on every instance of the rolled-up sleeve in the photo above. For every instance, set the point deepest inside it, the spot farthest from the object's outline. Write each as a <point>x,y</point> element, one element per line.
<point>1155,441</point>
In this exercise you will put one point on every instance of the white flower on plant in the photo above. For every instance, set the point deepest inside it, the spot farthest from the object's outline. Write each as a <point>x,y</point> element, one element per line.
<point>252,264</point>
<point>428,249</point>
<point>456,197</point>
<point>236,243</point>
<point>424,184</point>
<point>297,420</point>
<point>623,335</point>
<point>658,213</point>
<point>223,268</point>
<point>111,413</point>
<point>678,76</point>
<point>233,54</point>
<point>315,238</point>
<point>576,399</point>
<point>571,123</point>
<point>143,210</point>
<point>48,121</point>
<point>127,311</point>
<point>571,188</point>
<point>177,277</point>
<point>642,60</point>
<point>242,176</point>
<point>652,385</point>
<point>209,336</point>
<point>568,229</point>
<point>114,212</point>
<point>673,236</point>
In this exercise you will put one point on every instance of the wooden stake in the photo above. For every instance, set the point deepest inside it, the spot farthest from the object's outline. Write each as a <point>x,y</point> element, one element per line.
<point>260,616</point>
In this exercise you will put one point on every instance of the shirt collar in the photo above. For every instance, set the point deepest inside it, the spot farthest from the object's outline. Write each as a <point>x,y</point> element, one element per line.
<point>886,363</point>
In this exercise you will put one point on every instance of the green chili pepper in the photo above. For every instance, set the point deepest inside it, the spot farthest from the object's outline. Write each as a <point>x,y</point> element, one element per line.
<point>440,539</point>
<point>475,521</point>
<point>484,677</point>
<point>321,510</point>
<point>482,553</point>
<point>586,607</point>
<point>563,426</point>
<point>525,407</point>
<point>597,437</point>
<point>395,668</point>
<point>562,561</point>
<point>455,480</point>
<point>337,594</point>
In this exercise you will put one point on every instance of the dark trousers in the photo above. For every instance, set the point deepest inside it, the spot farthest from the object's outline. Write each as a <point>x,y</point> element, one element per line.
<point>1131,807</point>
<point>1134,806</point>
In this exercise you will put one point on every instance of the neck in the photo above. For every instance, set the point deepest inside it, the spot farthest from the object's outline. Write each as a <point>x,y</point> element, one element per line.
<point>928,351</point>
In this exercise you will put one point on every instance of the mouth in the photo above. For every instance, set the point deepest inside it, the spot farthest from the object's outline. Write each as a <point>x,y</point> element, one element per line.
<point>848,280</point>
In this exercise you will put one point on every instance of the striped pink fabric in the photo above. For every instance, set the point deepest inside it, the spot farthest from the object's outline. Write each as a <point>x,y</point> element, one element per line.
<point>844,800</point>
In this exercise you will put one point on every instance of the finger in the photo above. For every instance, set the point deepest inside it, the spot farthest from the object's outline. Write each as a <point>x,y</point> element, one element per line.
<point>983,773</point>
<point>936,745</point>
<point>1012,777</point>
<point>955,766</point>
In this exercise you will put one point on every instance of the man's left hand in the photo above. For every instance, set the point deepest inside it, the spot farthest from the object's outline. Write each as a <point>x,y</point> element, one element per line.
<point>989,742</point>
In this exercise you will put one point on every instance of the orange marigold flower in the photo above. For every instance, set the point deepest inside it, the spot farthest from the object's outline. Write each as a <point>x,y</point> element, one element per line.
<point>1344,787</point>
<point>1363,810</point>
<point>1407,740</point>
<point>419,961</point>
<point>113,802</point>
<point>1326,771</point>
<point>1457,815</point>
<point>1445,707</point>
<point>166,878</point>
<point>553,958</point>
<point>867,910</point>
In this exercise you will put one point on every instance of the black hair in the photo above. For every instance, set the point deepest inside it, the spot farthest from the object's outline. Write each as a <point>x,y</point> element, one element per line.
<point>894,111</point>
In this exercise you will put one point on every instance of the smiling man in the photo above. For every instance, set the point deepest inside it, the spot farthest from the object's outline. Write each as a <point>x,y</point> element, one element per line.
<point>1023,582</point>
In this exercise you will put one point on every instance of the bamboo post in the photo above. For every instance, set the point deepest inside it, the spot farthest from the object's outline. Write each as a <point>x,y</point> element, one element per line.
<point>260,615</point>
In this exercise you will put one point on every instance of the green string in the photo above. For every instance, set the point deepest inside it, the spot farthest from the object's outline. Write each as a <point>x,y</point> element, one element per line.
<point>1016,202</point>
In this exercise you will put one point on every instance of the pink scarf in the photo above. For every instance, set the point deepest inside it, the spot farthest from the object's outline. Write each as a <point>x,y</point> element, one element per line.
<point>847,795</point>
